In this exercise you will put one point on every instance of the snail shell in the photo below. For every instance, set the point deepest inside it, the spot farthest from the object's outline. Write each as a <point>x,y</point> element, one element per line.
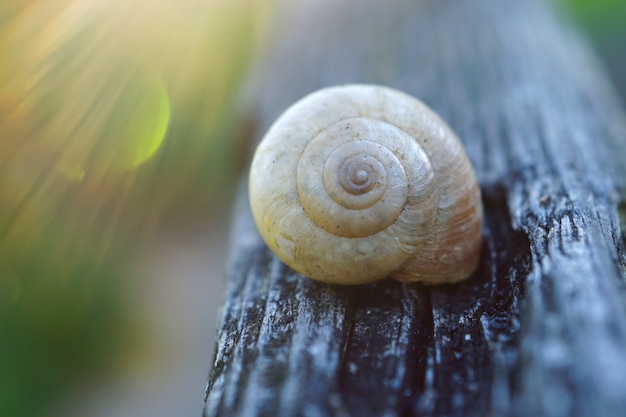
<point>359,182</point>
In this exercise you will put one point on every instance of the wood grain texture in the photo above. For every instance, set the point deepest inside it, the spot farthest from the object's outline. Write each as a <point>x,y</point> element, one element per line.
<point>540,329</point>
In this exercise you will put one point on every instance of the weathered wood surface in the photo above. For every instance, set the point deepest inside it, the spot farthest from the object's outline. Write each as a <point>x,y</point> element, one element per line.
<point>541,328</point>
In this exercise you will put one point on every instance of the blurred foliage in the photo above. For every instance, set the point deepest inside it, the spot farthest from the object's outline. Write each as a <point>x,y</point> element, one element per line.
<point>605,23</point>
<point>59,325</point>
<point>113,115</point>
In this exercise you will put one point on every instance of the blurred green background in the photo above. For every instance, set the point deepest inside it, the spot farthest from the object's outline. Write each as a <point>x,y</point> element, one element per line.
<point>118,121</point>
<point>604,24</point>
<point>121,125</point>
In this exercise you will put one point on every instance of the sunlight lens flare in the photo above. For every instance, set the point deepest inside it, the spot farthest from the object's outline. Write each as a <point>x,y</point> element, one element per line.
<point>104,101</point>
<point>135,126</point>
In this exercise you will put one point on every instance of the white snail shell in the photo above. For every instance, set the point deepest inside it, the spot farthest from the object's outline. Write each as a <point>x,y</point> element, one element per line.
<point>359,182</point>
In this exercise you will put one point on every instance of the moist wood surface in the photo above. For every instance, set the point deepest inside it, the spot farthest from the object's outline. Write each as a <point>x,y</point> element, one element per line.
<point>540,329</point>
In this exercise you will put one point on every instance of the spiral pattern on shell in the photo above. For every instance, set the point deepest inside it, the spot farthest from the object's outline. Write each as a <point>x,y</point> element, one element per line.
<point>355,183</point>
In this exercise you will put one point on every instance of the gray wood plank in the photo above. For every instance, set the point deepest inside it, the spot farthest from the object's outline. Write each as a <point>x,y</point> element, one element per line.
<point>540,329</point>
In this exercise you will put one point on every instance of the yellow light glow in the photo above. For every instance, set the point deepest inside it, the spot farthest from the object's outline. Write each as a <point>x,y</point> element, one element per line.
<point>92,90</point>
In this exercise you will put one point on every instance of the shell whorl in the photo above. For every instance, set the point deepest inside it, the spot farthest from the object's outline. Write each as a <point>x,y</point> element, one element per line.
<point>352,184</point>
